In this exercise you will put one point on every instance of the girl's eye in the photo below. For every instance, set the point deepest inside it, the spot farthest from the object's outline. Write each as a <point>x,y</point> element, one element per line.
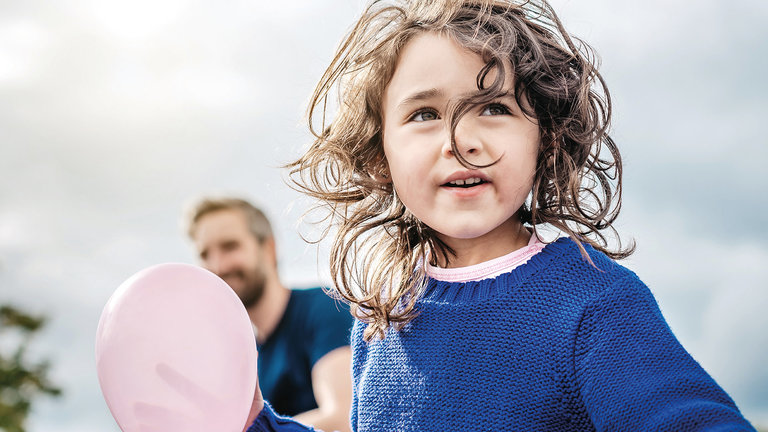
<point>424,115</point>
<point>495,109</point>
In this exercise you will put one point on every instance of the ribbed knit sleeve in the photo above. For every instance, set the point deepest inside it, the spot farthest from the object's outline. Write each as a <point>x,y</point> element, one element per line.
<point>358,353</point>
<point>633,374</point>
<point>268,421</point>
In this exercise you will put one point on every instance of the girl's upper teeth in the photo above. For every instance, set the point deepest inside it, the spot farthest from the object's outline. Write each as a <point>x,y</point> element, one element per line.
<point>468,181</point>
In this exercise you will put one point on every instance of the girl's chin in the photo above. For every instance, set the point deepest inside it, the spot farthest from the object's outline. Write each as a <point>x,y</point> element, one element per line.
<point>506,231</point>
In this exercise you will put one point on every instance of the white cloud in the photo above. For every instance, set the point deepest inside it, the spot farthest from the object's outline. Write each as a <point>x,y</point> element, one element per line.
<point>23,48</point>
<point>135,21</point>
<point>15,231</point>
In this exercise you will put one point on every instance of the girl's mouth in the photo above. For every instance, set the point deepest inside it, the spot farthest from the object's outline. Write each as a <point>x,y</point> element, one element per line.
<point>465,183</point>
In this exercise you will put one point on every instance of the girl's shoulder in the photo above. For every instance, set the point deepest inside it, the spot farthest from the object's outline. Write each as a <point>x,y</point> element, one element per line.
<point>560,268</point>
<point>594,277</point>
<point>568,257</point>
<point>563,269</point>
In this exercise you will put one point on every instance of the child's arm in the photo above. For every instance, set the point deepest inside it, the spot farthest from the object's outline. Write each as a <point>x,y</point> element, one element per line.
<point>268,421</point>
<point>262,418</point>
<point>633,374</point>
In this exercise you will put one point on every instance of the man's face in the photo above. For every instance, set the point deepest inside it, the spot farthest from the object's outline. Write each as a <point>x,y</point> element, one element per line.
<point>227,248</point>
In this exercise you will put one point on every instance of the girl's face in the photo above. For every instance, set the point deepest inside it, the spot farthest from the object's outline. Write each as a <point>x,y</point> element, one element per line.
<point>473,210</point>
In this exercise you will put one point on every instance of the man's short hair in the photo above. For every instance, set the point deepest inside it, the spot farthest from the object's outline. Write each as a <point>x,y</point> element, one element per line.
<point>257,222</point>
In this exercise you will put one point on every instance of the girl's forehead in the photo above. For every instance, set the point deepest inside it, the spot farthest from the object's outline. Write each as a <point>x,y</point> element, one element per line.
<point>427,49</point>
<point>431,63</point>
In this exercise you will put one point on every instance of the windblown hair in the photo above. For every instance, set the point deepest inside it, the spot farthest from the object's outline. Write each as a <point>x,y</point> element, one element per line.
<point>378,244</point>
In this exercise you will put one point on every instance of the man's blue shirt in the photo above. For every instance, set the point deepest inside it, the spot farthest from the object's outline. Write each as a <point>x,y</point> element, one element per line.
<point>313,325</point>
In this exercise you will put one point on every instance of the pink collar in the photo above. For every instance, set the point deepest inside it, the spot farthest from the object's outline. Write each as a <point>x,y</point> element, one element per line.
<point>488,269</point>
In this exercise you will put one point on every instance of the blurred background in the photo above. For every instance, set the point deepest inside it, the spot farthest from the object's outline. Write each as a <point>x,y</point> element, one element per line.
<point>115,114</point>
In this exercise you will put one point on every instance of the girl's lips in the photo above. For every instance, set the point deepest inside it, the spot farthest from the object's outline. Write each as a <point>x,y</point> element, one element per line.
<point>465,175</point>
<point>465,183</point>
<point>465,192</point>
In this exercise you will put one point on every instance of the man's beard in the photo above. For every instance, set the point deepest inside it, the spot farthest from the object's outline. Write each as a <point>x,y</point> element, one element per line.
<point>253,286</point>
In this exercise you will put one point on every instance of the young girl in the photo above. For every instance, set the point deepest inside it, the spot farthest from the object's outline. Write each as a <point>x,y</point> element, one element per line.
<point>463,127</point>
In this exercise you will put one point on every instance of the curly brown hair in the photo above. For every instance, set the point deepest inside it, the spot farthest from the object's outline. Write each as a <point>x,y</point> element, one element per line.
<point>378,243</point>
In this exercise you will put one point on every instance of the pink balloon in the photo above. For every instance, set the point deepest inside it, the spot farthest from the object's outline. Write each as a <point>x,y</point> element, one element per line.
<point>175,351</point>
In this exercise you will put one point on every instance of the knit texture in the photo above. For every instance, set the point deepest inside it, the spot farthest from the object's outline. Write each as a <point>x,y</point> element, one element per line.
<point>269,421</point>
<point>554,345</point>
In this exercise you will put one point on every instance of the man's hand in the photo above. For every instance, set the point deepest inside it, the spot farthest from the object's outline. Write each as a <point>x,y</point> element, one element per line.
<point>332,385</point>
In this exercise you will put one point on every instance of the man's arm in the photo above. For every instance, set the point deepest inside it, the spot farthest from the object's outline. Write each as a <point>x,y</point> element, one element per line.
<point>332,387</point>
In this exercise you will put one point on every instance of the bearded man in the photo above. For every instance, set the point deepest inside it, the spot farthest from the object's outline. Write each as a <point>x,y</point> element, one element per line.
<point>302,335</point>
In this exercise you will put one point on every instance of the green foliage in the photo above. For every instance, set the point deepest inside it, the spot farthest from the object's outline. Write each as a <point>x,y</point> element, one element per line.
<point>20,380</point>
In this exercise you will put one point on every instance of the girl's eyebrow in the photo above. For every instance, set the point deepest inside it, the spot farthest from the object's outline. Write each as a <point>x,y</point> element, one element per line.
<point>420,96</point>
<point>433,93</point>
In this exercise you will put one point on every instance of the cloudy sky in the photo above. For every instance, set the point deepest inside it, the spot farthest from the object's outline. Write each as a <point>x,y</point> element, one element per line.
<point>114,114</point>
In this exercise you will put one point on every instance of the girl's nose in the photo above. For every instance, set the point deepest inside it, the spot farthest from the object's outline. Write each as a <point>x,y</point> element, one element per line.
<point>467,142</point>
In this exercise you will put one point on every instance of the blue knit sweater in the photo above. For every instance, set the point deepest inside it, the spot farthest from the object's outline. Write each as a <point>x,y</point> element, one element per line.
<point>553,345</point>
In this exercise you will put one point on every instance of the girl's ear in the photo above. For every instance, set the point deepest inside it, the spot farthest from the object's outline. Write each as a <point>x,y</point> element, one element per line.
<point>381,174</point>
